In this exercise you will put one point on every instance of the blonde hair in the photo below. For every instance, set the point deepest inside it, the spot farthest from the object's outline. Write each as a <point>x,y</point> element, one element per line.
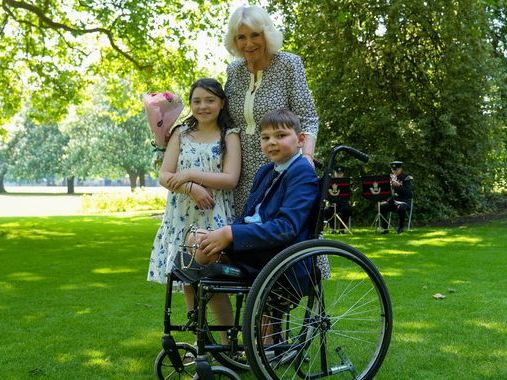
<point>257,19</point>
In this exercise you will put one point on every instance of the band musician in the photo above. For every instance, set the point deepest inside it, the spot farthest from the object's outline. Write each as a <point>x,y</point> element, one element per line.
<point>400,200</point>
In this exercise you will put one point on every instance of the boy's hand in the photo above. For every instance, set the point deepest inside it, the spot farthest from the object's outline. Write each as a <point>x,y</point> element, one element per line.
<point>216,241</point>
<point>202,197</point>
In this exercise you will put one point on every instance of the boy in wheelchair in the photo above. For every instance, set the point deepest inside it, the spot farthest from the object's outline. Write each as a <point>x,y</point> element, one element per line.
<point>277,215</point>
<point>281,201</point>
<point>293,324</point>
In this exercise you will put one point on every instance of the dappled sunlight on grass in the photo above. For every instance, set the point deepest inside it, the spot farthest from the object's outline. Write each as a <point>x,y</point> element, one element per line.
<point>26,276</point>
<point>81,295</point>
<point>382,253</point>
<point>98,285</point>
<point>96,358</point>
<point>84,311</point>
<point>93,285</point>
<point>65,358</point>
<point>33,232</point>
<point>133,366</point>
<point>351,276</point>
<point>34,317</point>
<point>454,349</point>
<point>434,234</point>
<point>502,354</point>
<point>145,339</point>
<point>409,337</point>
<point>415,325</point>
<point>6,286</point>
<point>70,287</point>
<point>445,241</point>
<point>396,252</point>
<point>391,272</point>
<point>492,326</point>
<point>35,235</point>
<point>114,270</point>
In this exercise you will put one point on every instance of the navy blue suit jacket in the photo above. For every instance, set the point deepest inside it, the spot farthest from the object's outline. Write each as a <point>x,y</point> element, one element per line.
<point>285,213</point>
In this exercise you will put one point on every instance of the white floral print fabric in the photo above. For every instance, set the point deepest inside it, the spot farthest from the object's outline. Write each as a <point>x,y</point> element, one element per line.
<point>181,210</point>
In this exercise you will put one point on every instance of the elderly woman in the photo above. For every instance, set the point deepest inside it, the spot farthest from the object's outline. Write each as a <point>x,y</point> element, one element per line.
<point>261,80</point>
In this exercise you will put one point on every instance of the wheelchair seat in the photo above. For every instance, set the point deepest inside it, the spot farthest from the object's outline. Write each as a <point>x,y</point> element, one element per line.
<point>223,271</point>
<point>216,271</point>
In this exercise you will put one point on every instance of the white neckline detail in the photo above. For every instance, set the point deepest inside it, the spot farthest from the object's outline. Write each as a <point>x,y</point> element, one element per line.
<point>249,102</point>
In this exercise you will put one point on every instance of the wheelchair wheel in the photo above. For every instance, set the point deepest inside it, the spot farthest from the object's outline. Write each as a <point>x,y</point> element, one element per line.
<point>221,373</point>
<point>300,322</point>
<point>164,369</point>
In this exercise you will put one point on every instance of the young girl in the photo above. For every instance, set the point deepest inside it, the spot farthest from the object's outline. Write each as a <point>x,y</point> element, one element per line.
<point>201,166</point>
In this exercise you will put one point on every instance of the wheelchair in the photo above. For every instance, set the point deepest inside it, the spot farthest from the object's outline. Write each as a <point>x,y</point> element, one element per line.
<point>318,309</point>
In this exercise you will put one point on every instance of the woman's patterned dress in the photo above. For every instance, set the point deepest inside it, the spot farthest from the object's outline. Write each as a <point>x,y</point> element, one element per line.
<point>281,85</point>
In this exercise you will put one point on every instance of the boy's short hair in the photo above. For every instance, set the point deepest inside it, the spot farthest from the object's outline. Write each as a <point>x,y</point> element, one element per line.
<point>281,118</point>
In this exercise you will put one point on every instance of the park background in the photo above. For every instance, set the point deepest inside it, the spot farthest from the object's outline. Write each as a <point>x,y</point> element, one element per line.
<point>422,82</point>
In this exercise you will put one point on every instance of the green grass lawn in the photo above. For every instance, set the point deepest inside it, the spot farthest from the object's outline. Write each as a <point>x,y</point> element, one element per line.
<point>74,302</point>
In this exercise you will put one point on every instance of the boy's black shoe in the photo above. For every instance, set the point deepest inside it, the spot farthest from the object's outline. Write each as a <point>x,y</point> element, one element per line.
<point>399,230</point>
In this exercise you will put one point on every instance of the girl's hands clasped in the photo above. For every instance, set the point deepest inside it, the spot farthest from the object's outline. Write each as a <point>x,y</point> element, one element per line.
<point>202,197</point>
<point>179,178</point>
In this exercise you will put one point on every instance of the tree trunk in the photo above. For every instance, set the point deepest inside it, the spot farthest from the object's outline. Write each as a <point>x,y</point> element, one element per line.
<point>70,185</point>
<point>142,179</point>
<point>2,176</point>
<point>132,180</point>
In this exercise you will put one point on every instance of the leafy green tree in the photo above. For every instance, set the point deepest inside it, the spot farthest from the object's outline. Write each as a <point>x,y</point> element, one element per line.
<point>409,81</point>
<point>49,49</point>
<point>38,153</point>
<point>497,20</point>
<point>126,146</point>
<point>106,141</point>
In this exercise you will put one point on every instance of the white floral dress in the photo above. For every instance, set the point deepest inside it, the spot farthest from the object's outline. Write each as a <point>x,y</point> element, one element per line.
<point>181,211</point>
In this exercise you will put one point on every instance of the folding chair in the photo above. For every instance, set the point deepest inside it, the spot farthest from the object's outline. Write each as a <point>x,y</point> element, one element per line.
<point>377,188</point>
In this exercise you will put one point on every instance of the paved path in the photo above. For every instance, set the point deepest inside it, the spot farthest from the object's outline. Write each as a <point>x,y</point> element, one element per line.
<point>39,205</point>
<point>48,201</point>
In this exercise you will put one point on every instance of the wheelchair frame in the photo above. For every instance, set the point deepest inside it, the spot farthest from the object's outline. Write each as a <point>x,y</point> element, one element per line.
<point>294,310</point>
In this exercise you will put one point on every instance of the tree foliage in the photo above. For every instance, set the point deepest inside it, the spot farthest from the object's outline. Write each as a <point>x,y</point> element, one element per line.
<point>106,141</point>
<point>37,154</point>
<point>413,81</point>
<point>50,48</point>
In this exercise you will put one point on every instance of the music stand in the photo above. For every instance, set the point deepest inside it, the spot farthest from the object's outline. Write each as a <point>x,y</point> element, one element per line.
<point>377,188</point>
<point>338,192</point>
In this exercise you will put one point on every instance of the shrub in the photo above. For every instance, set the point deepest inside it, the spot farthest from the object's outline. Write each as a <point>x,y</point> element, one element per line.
<point>138,200</point>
